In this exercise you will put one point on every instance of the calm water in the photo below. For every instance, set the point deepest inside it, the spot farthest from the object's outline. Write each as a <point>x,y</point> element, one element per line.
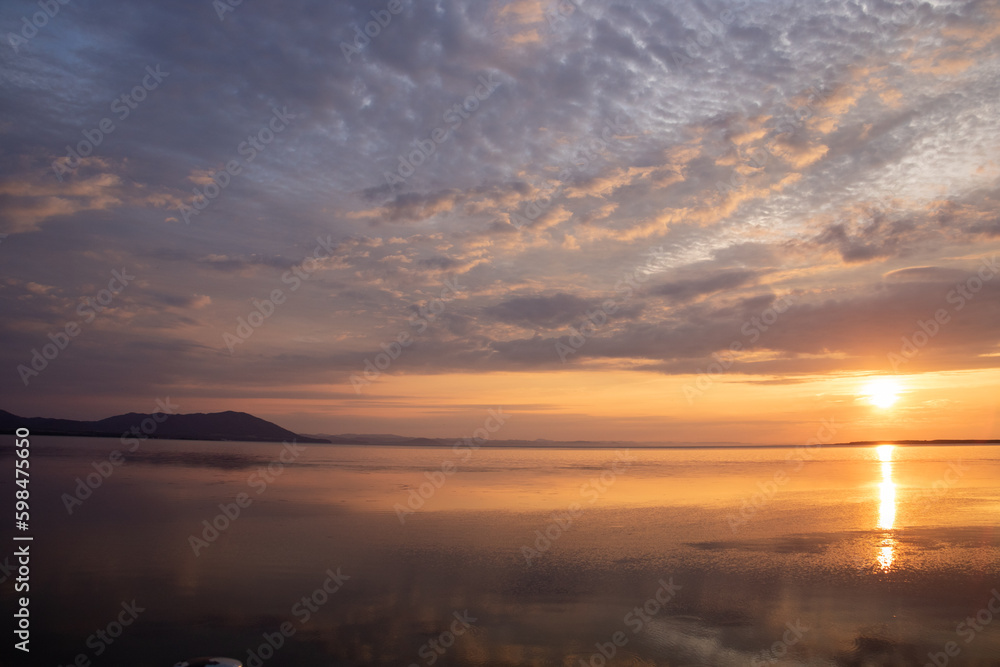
<point>859,556</point>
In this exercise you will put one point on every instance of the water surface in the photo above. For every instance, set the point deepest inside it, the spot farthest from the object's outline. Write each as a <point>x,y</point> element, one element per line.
<point>849,556</point>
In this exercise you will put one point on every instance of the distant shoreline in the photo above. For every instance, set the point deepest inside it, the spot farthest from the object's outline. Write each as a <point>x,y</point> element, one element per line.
<point>553,444</point>
<point>230,426</point>
<point>643,445</point>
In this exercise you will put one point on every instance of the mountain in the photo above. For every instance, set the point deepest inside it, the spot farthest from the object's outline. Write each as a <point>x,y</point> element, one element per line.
<point>200,426</point>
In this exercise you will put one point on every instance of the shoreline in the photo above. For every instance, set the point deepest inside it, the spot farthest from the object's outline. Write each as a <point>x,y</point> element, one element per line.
<point>556,444</point>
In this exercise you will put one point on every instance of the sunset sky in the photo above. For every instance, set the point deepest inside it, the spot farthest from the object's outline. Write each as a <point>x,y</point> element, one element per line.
<point>802,182</point>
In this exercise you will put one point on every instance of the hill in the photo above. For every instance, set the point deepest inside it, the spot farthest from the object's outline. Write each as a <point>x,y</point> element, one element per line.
<point>199,426</point>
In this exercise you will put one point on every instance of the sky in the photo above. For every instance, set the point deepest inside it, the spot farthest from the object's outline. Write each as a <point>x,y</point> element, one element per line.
<point>756,221</point>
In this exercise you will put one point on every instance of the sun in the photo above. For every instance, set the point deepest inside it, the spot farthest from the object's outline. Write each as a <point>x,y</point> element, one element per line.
<point>882,392</point>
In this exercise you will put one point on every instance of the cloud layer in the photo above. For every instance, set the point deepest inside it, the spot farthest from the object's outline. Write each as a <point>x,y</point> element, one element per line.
<point>489,178</point>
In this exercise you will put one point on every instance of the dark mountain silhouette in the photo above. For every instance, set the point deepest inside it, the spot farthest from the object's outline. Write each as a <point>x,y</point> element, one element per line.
<point>200,426</point>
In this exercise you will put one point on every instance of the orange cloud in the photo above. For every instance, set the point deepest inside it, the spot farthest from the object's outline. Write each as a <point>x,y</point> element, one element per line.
<point>603,185</point>
<point>799,157</point>
<point>37,197</point>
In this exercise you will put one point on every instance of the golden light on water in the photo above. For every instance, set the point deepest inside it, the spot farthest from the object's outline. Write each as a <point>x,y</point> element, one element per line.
<point>885,557</point>
<point>887,505</point>
<point>887,508</point>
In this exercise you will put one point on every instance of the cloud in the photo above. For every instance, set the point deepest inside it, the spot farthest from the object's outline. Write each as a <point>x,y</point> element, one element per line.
<point>545,312</point>
<point>845,155</point>
<point>924,274</point>
<point>685,290</point>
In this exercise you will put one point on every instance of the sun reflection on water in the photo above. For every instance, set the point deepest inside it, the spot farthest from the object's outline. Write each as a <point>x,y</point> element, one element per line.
<point>885,556</point>
<point>887,506</point>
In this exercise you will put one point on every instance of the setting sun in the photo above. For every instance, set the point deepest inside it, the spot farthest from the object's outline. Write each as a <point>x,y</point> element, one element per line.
<point>882,392</point>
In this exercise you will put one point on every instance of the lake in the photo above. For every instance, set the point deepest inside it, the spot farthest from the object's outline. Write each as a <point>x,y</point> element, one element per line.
<point>349,555</point>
